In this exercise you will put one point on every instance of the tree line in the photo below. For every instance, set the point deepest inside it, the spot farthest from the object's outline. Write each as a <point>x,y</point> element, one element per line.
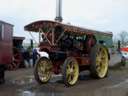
<point>122,37</point>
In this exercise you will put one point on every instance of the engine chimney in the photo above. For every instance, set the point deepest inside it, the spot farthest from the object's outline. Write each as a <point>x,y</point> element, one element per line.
<point>58,11</point>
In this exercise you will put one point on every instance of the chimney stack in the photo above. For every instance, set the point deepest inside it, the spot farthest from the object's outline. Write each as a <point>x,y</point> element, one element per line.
<point>58,11</point>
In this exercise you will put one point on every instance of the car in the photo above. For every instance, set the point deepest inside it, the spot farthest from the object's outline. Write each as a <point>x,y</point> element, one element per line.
<point>124,55</point>
<point>124,52</point>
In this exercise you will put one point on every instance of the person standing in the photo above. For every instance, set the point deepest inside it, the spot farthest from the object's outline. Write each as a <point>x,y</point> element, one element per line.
<point>34,56</point>
<point>26,56</point>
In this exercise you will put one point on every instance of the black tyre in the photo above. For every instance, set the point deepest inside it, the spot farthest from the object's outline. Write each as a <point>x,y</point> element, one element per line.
<point>2,73</point>
<point>43,70</point>
<point>99,61</point>
<point>70,71</point>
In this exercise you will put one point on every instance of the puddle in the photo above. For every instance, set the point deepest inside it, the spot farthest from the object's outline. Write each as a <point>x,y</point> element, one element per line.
<point>31,80</point>
<point>121,84</point>
<point>26,93</point>
<point>29,93</point>
<point>55,78</point>
<point>23,81</point>
<point>18,82</point>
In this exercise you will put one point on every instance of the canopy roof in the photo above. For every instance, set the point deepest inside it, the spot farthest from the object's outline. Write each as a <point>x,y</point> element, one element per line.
<point>46,24</point>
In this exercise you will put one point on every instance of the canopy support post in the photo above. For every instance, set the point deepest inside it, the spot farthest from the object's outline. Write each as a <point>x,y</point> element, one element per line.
<point>53,37</point>
<point>41,31</point>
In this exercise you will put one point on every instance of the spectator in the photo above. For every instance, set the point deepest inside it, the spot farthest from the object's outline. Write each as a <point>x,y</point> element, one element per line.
<point>123,61</point>
<point>26,57</point>
<point>34,56</point>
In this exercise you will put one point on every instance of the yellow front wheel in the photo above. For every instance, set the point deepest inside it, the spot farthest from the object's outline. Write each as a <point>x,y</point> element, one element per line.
<point>70,71</point>
<point>99,61</point>
<point>42,70</point>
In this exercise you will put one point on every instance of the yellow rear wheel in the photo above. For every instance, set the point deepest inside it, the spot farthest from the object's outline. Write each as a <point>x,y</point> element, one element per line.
<point>99,61</point>
<point>70,71</point>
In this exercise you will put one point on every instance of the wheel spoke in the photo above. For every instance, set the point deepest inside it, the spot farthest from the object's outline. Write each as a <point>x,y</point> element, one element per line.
<point>68,70</point>
<point>98,60</point>
<point>71,65</point>
<point>43,77</point>
<point>103,56</point>
<point>69,78</point>
<point>98,68</point>
<point>75,71</point>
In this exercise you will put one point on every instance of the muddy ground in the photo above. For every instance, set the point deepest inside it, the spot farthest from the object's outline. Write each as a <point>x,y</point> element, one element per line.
<point>22,83</point>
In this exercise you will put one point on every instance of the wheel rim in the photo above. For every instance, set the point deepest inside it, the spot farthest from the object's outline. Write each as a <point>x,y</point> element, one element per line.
<point>101,62</point>
<point>72,72</point>
<point>44,70</point>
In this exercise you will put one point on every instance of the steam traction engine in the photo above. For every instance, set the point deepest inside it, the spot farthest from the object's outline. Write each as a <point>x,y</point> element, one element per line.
<point>68,50</point>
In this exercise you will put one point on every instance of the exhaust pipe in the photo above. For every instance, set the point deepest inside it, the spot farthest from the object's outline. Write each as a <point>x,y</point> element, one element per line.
<point>58,11</point>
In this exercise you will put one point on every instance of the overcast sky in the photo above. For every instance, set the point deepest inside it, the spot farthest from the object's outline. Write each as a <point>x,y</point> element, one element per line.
<point>102,15</point>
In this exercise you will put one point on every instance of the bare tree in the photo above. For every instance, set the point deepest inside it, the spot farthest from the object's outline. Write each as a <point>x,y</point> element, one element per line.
<point>123,37</point>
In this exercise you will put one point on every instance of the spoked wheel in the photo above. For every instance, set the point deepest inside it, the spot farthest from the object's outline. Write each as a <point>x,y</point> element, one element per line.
<point>99,61</point>
<point>70,71</point>
<point>43,70</point>
<point>16,61</point>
